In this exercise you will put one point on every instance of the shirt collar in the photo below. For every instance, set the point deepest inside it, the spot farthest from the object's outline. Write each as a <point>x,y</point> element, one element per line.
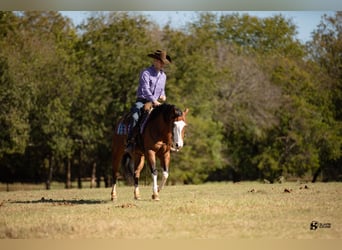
<point>155,72</point>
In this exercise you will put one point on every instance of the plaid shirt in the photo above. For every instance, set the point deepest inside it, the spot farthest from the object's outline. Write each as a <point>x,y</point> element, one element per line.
<point>151,84</point>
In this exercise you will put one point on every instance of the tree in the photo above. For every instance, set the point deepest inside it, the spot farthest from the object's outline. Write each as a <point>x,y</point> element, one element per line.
<point>40,63</point>
<point>14,95</point>
<point>192,84</point>
<point>264,35</point>
<point>326,50</point>
<point>248,111</point>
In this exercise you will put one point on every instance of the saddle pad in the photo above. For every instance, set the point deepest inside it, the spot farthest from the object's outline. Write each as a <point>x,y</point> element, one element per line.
<point>123,129</point>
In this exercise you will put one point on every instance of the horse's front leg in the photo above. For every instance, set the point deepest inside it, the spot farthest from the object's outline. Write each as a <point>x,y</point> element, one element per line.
<point>151,155</point>
<point>140,159</point>
<point>165,162</point>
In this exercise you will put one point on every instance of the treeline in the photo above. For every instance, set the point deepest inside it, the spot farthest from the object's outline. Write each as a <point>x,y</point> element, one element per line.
<point>263,105</point>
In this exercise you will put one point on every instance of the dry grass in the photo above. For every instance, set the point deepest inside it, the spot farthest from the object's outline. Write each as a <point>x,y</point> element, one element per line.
<point>247,210</point>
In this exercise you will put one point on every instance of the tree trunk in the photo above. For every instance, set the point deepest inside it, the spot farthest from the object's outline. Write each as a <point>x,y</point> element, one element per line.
<point>50,172</point>
<point>316,174</point>
<point>93,176</point>
<point>98,178</point>
<point>68,174</point>
<point>107,181</point>
<point>79,180</point>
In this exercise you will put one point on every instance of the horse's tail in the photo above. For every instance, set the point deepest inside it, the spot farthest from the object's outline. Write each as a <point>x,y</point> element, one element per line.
<point>127,164</point>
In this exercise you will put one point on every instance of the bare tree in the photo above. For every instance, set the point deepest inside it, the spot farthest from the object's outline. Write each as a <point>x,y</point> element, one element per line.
<point>246,97</point>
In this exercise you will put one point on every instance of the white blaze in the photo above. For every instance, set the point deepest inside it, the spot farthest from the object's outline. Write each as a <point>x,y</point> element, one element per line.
<point>177,134</point>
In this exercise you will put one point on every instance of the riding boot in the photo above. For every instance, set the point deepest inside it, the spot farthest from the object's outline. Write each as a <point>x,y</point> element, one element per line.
<point>131,141</point>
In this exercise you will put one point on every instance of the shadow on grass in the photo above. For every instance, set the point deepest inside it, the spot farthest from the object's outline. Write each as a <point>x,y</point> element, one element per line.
<point>62,202</point>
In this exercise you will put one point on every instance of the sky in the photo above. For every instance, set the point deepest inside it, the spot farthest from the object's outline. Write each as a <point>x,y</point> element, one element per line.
<point>306,21</point>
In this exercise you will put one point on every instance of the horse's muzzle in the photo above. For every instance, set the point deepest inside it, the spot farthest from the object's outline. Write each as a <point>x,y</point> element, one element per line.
<point>176,147</point>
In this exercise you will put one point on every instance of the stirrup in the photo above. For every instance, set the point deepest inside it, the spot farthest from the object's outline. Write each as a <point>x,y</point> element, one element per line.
<point>130,146</point>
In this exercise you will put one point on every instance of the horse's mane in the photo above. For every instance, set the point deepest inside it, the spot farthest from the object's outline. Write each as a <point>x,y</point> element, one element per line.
<point>169,112</point>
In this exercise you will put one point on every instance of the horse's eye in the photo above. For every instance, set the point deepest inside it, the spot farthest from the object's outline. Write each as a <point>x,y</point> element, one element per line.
<point>178,112</point>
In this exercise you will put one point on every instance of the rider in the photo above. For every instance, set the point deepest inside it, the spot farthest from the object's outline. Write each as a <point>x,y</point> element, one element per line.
<point>151,90</point>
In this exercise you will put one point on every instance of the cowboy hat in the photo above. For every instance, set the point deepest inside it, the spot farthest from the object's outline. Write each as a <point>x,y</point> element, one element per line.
<point>161,55</point>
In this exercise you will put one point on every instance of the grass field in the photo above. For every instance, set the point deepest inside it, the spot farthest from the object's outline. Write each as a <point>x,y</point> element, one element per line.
<point>246,210</point>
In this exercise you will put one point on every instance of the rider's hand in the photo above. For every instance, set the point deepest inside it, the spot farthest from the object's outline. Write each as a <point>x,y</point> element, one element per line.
<point>162,98</point>
<point>156,103</point>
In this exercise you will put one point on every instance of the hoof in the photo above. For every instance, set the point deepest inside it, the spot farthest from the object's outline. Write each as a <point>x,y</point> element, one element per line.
<point>155,197</point>
<point>114,197</point>
<point>137,195</point>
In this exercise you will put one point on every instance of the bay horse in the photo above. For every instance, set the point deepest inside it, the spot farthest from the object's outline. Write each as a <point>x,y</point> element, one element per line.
<point>162,132</point>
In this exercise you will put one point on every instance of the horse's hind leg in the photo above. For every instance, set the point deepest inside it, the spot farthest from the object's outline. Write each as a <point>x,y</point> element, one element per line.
<point>140,165</point>
<point>113,194</point>
<point>115,165</point>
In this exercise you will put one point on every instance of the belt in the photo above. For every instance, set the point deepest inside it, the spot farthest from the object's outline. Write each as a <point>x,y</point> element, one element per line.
<point>143,100</point>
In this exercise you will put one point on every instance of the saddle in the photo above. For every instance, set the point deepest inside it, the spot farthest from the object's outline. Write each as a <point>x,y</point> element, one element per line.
<point>124,126</point>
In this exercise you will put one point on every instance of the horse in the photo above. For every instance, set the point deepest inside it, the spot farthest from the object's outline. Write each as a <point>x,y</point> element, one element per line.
<point>162,132</point>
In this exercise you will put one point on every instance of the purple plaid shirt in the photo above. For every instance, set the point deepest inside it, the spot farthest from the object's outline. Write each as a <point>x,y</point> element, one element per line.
<point>151,84</point>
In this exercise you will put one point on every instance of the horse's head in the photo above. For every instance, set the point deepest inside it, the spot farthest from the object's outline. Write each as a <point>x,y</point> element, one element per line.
<point>178,131</point>
<point>175,118</point>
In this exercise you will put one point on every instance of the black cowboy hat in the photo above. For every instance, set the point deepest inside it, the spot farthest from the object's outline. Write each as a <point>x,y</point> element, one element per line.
<point>161,55</point>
